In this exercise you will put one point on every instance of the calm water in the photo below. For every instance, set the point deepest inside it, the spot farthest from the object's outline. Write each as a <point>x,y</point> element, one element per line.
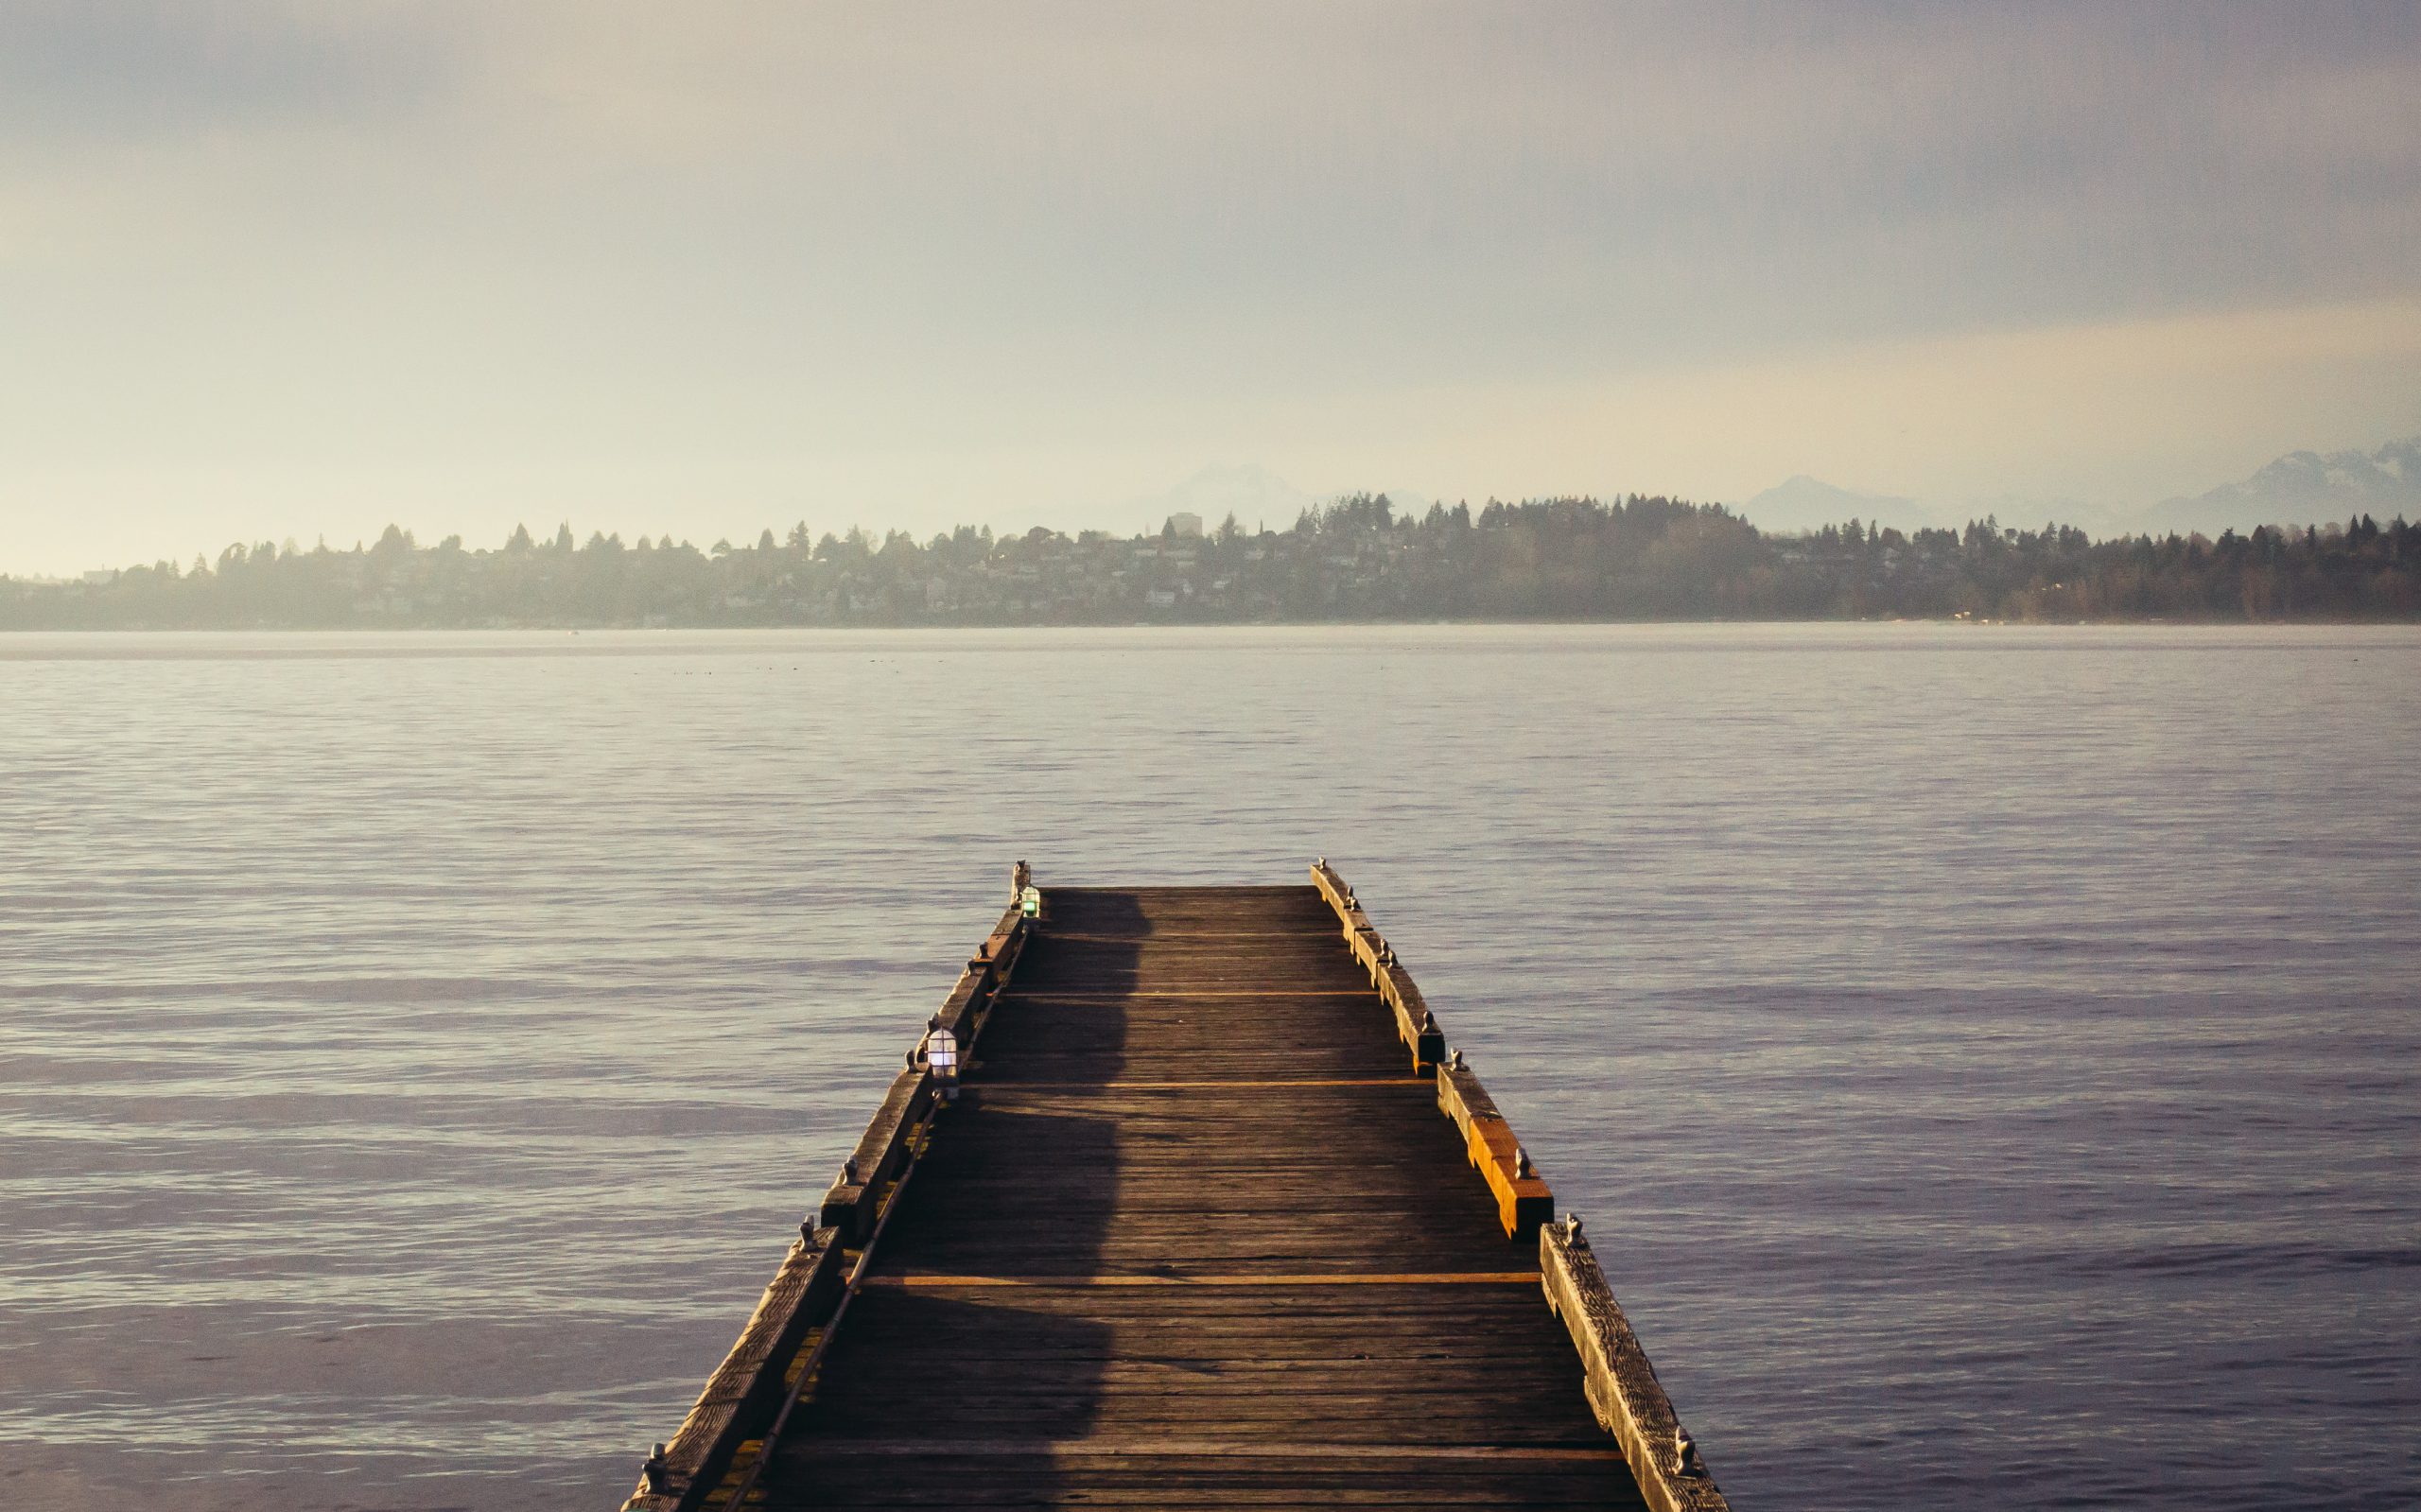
<point>1987,1057</point>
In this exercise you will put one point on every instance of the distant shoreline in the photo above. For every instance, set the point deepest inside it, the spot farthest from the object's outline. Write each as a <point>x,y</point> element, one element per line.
<point>1575,561</point>
<point>1180,625</point>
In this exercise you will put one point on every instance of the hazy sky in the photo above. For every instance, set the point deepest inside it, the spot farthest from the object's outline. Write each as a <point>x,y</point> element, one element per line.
<point>285,269</point>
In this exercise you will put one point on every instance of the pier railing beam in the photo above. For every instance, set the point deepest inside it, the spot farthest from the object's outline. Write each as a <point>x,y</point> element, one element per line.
<point>1622,1386</point>
<point>743,1393</point>
<point>1523,1200</point>
<point>1414,1024</point>
<point>851,1204</point>
<point>746,1389</point>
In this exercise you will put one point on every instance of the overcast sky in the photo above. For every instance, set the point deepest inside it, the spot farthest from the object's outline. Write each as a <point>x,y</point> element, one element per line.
<point>298,269</point>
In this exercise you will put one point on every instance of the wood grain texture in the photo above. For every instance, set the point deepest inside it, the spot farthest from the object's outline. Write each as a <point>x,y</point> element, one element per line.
<point>850,1203</point>
<point>1622,1386</point>
<point>741,1393</point>
<point>745,1390</point>
<point>1414,1024</point>
<point>1523,1200</point>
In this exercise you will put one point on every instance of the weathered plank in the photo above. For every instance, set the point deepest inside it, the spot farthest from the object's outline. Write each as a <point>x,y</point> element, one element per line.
<point>740,1394</point>
<point>987,975</point>
<point>1523,1200</point>
<point>1622,1386</point>
<point>851,1203</point>
<point>1414,1024</point>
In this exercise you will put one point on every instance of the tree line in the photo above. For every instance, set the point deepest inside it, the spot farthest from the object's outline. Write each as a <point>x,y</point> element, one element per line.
<point>1356,559</point>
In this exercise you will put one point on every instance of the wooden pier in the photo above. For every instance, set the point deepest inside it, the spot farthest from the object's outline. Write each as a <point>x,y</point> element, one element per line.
<point>1215,1221</point>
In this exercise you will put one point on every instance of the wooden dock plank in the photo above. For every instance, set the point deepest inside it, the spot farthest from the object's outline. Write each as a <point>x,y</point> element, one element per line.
<point>1204,1231</point>
<point>1274,1282</point>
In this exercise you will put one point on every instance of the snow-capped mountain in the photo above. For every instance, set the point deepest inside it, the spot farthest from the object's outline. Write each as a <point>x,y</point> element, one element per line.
<point>2303,488</point>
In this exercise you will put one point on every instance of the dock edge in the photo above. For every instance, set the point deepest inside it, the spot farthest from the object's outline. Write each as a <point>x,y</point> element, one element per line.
<point>743,1393</point>
<point>1621,1385</point>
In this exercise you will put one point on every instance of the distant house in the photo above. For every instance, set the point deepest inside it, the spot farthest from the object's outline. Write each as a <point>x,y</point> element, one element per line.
<point>1184,524</point>
<point>1160,598</point>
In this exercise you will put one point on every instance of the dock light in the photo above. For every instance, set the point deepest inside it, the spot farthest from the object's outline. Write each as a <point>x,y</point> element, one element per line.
<point>941,1059</point>
<point>1030,902</point>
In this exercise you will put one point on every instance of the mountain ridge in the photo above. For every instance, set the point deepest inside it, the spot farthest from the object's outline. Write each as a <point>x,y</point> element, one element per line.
<point>2301,488</point>
<point>2295,489</point>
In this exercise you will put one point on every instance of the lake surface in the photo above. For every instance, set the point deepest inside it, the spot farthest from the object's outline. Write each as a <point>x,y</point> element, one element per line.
<point>1986,1058</point>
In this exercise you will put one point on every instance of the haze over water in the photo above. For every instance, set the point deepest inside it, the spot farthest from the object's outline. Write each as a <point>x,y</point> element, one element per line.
<point>1985,1058</point>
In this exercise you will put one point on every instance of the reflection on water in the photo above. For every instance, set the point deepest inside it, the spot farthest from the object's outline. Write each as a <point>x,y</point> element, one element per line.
<point>1986,1058</point>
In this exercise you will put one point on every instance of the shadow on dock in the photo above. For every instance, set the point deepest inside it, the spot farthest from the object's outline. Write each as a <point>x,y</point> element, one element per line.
<point>1018,1190</point>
